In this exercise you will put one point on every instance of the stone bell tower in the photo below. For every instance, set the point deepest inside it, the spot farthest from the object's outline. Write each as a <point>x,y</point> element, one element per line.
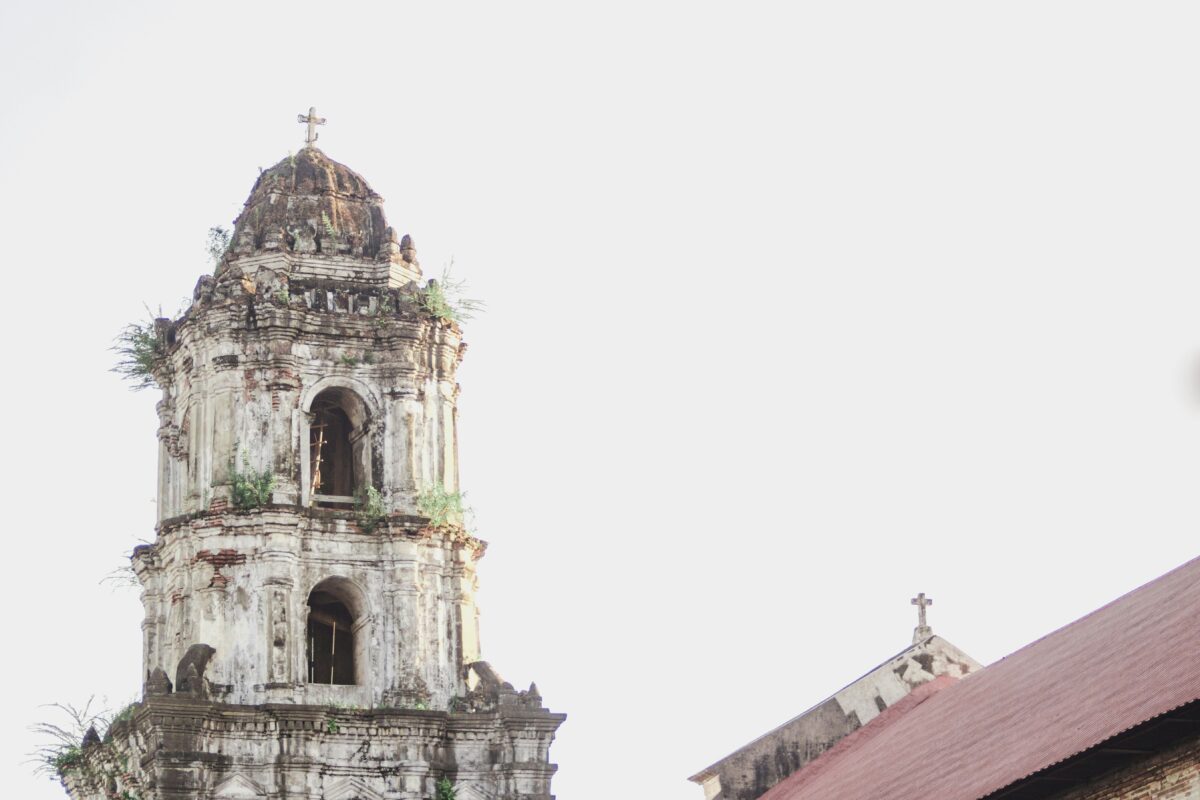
<point>310,623</point>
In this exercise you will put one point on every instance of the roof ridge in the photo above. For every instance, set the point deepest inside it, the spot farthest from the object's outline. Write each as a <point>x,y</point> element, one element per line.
<point>1090,614</point>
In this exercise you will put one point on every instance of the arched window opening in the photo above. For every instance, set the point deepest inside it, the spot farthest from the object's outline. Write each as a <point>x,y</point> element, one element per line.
<point>332,453</point>
<point>339,458</point>
<point>330,639</point>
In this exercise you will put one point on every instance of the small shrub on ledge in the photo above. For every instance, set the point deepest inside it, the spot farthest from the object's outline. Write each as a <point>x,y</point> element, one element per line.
<point>441,507</point>
<point>369,509</point>
<point>250,488</point>
<point>444,299</point>
<point>63,746</point>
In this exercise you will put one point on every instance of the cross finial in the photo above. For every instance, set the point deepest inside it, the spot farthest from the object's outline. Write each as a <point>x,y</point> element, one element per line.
<point>312,120</point>
<point>922,631</point>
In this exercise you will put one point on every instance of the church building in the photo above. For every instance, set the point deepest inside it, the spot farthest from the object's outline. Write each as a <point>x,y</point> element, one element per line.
<point>748,772</point>
<point>310,624</point>
<point>1106,708</point>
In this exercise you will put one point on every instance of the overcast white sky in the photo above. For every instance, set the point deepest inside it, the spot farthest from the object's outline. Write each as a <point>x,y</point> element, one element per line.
<point>795,310</point>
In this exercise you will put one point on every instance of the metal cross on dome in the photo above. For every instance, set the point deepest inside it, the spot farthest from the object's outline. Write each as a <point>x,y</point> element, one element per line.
<point>312,120</point>
<point>922,602</point>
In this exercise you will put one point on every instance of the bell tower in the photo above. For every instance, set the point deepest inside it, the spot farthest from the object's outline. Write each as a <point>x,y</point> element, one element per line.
<point>310,623</point>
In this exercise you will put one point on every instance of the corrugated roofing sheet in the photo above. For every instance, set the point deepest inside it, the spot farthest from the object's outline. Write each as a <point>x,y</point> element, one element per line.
<point>1128,662</point>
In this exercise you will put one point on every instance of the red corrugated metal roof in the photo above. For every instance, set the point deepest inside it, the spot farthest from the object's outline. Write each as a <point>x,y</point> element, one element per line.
<point>1128,662</point>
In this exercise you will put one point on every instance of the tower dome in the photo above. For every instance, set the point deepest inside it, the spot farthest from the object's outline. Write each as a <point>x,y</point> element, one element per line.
<point>309,203</point>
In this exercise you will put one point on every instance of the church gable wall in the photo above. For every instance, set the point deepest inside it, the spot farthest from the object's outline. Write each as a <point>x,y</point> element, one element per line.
<point>749,772</point>
<point>754,769</point>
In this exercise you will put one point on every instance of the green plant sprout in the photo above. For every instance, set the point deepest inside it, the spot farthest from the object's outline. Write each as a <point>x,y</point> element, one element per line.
<point>440,506</point>
<point>138,352</point>
<point>369,509</point>
<point>249,487</point>
<point>444,299</point>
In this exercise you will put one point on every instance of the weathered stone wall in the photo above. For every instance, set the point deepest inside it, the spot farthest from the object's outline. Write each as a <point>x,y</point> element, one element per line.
<point>175,748</point>
<point>249,358</point>
<point>1173,774</point>
<point>241,372</point>
<point>240,581</point>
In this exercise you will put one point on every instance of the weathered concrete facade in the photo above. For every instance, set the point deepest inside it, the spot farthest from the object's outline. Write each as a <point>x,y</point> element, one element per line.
<point>750,771</point>
<point>325,641</point>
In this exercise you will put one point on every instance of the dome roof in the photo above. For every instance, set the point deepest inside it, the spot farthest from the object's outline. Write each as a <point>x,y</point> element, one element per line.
<point>309,203</point>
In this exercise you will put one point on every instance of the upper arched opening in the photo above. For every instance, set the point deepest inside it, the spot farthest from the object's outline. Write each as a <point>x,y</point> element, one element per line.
<point>339,463</point>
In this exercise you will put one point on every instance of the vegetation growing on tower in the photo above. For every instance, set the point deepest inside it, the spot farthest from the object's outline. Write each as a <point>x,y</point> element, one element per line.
<point>218,242</point>
<point>250,488</point>
<point>444,298</point>
<point>441,507</point>
<point>138,350</point>
<point>369,509</point>
<point>73,745</point>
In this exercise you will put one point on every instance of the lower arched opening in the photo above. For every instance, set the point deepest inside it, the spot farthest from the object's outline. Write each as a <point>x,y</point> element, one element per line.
<point>330,640</point>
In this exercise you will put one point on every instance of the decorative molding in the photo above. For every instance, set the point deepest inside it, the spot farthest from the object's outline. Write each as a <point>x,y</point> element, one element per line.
<point>351,789</point>
<point>237,787</point>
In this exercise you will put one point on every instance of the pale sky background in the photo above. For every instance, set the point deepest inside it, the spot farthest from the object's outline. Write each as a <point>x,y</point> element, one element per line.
<point>794,310</point>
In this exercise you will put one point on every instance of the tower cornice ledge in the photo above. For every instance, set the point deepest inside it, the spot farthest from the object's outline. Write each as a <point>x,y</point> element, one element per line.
<point>174,743</point>
<point>289,519</point>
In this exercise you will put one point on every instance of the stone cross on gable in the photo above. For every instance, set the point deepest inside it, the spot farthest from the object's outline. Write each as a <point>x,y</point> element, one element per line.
<point>312,120</point>
<point>922,602</point>
<point>922,631</point>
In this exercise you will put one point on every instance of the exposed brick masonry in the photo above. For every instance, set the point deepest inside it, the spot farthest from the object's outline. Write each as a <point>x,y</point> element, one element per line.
<point>1171,775</point>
